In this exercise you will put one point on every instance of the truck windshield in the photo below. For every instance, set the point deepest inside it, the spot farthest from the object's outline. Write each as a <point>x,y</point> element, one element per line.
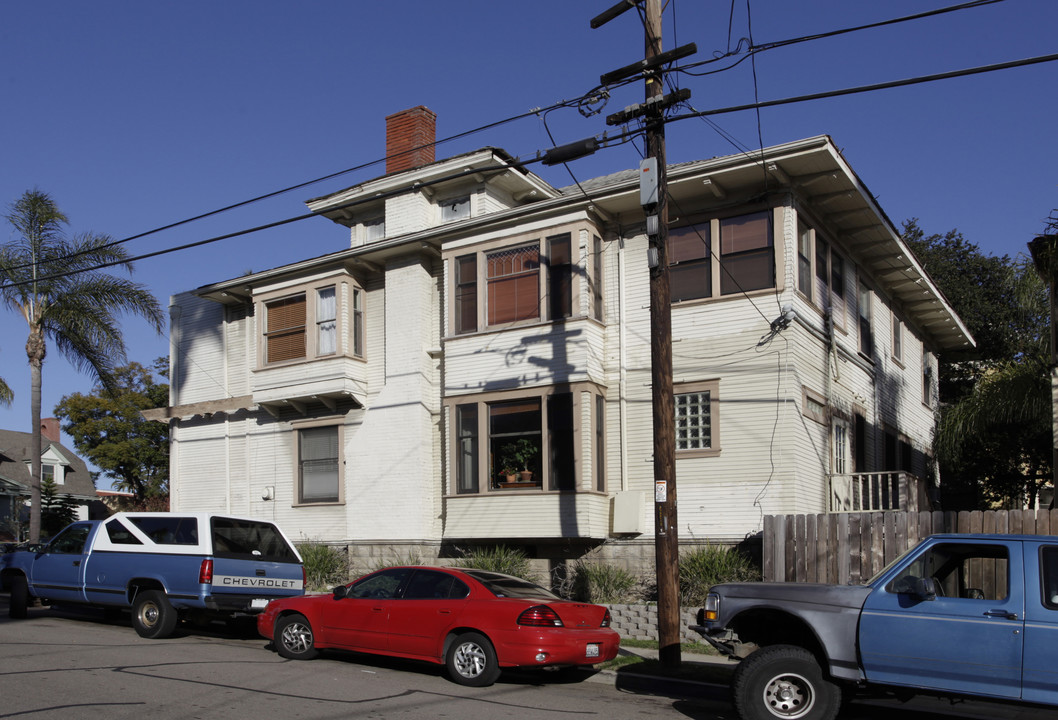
<point>250,540</point>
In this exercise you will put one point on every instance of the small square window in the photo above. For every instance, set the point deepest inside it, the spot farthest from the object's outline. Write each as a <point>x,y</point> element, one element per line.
<point>455,209</point>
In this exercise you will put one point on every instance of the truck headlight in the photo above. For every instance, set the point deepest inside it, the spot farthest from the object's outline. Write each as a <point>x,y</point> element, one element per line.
<point>711,611</point>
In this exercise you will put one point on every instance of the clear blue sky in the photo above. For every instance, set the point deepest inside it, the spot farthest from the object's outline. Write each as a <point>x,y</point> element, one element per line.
<point>134,114</point>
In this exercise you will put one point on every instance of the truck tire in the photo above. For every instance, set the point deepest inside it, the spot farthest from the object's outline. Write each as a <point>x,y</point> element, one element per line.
<point>153,616</point>
<point>784,682</point>
<point>18,606</point>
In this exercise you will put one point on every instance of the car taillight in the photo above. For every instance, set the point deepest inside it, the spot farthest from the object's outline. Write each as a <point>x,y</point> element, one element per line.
<point>606,619</point>
<point>205,572</point>
<point>304,578</point>
<point>540,616</point>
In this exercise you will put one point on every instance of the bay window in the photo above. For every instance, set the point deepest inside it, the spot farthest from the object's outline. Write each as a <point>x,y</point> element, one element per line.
<point>505,442</point>
<point>310,323</point>
<point>526,280</point>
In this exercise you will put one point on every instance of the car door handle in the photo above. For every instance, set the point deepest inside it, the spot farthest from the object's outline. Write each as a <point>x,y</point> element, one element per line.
<point>444,612</point>
<point>1002,614</point>
<point>76,563</point>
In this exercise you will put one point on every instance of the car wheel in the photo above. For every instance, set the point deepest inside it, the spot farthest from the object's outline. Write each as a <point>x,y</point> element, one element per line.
<point>784,682</point>
<point>19,599</point>
<point>293,638</point>
<point>152,615</point>
<point>472,660</point>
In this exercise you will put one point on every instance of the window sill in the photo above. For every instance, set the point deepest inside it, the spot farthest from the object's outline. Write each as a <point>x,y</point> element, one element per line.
<point>688,454</point>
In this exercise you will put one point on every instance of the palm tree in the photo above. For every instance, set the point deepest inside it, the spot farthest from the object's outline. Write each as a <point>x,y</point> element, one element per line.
<point>58,286</point>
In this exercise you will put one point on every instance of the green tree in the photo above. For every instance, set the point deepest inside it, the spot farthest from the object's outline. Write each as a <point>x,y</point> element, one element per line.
<point>57,511</point>
<point>108,430</point>
<point>994,433</point>
<point>59,286</point>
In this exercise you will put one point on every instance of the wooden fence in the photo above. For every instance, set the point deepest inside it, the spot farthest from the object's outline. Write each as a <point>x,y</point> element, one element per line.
<point>848,548</point>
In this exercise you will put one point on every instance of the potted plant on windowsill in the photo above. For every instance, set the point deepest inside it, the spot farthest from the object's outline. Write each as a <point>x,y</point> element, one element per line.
<point>522,452</point>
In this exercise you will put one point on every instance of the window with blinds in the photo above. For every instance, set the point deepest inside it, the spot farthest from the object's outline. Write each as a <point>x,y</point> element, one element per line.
<point>690,275</point>
<point>747,254</point>
<point>285,333</point>
<point>318,477</point>
<point>513,278</point>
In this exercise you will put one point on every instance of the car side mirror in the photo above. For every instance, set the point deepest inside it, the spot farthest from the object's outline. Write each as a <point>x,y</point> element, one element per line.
<point>339,592</point>
<point>921,588</point>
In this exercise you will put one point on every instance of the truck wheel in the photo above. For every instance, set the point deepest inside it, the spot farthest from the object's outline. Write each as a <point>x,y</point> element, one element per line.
<point>19,600</point>
<point>472,660</point>
<point>152,615</point>
<point>784,682</point>
<point>293,638</point>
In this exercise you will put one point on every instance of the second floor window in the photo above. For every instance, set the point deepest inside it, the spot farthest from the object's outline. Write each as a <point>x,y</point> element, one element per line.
<point>747,254</point>
<point>316,322</point>
<point>866,333</point>
<point>285,333</point>
<point>513,280</point>
<point>690,271</point>
<point>326,322</point>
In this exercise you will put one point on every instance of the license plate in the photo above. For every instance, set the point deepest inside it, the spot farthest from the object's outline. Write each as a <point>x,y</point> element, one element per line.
<point>592,650</point>
<point>258,603</point>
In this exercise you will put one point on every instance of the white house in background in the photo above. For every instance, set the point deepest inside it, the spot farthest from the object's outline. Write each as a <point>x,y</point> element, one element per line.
<point>372,397</point>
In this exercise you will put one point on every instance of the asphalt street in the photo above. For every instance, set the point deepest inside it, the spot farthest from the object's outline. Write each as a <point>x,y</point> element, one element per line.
<point>74,663</point>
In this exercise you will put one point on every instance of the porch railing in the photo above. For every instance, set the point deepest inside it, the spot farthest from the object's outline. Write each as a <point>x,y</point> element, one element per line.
<point>872,492</point>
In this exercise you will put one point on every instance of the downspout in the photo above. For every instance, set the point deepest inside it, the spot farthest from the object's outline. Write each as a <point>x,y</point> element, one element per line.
<point>622,342</point>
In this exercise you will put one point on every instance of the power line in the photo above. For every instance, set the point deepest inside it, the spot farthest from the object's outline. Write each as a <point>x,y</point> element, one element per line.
<point>606,141</point>
<point>871,88</point>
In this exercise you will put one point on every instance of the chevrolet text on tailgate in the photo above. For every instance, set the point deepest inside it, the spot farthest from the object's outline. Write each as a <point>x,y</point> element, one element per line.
<point>164,566</point>
<point>958,615</point>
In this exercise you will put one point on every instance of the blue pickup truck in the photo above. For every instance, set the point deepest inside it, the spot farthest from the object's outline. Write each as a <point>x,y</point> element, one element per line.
<point>957,615</point>
<point>162,566</point>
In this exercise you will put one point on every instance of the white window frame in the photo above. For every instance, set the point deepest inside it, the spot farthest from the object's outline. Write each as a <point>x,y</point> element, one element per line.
<point>455,208</point>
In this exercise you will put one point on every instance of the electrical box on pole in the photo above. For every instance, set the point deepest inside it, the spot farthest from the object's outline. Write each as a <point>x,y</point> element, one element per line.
<point>648,182</point>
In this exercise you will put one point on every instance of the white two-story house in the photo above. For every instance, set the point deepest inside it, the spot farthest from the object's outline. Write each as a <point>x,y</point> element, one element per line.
<point>474,367</point>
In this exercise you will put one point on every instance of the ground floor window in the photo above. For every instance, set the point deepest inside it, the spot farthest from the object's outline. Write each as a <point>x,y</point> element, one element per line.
<point>697,418</point>
<point>507,441</point>
<point>319,464</point>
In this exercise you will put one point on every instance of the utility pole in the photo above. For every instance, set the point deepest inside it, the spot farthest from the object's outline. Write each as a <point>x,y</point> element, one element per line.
<point>666,538</point>
<point>653,197</point>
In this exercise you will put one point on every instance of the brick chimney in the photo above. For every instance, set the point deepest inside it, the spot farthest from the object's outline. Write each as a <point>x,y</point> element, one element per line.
<point>410,136</point>
<point>49,428</point>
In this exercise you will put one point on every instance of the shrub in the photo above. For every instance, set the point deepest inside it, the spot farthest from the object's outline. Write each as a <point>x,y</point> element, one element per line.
<point>602,583</point>
<point>501,559</point>
<point>412,558</point>
<point>709,565</point>
<point>325,565</point>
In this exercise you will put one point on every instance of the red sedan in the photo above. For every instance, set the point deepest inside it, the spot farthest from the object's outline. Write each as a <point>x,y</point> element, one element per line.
<point>472,621</point>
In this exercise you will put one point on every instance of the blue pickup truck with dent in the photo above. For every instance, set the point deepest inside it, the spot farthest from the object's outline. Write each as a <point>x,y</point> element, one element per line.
<point>963,616</point>
<point>163,566</point>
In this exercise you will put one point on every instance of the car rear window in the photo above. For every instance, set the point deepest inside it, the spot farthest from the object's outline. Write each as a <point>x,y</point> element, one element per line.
<point>250,540</point>
<point>168,529</point>
<point>502,585</point>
